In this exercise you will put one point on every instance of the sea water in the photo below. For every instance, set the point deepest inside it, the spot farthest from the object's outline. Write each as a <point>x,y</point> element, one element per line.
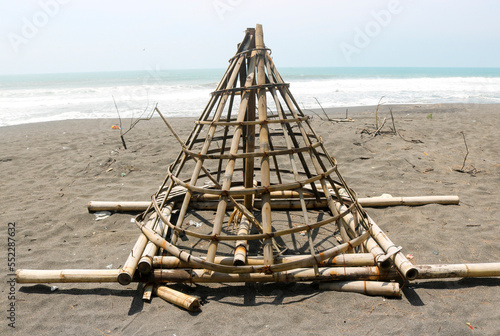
<point>45,97</point>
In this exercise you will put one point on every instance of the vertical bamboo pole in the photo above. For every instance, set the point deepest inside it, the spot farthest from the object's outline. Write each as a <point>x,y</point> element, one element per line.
<point>288,142</point>
<point>204,150</point>
<point>226,185</point>
<point>146,263</point>
<point>240,252</point>
<point>127,272</point>
<point>344,229</point>
<point>264,144</point>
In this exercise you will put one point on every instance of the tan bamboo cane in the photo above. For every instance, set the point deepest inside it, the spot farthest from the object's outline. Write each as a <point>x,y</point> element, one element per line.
<point>180,299</point>
<point>130,266</point>
<point>148,292</point>
<point>240,252</point>
<point>378,288</point>
<point>264,144</point>
<point>471,270</point>
<point>204,150</point>
<point>181,157</point>
<point>67,275</point>
<point>145,263</point>
<point>370,244</point>
<point>296,275</point>
<point>358,259</point>
<point>226,185</point>
<point>209,265</point>
<point>289,145</point>
<point>344,229</point>
<point>199,201</point>
<point>407,269</point>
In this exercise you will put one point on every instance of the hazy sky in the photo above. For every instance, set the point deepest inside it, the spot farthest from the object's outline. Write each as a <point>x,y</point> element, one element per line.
<point>48,36</point>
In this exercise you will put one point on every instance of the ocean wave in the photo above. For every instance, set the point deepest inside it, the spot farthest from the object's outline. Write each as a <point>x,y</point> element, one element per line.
<point>33,104</point>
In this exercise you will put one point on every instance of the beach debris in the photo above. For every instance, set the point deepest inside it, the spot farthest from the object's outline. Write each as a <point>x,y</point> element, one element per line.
<point>252,160</point>
<point>100,215</point>
<point>472,171</point>
<point>116,127</point>
<point>54,288</point>
<point>195,224</point>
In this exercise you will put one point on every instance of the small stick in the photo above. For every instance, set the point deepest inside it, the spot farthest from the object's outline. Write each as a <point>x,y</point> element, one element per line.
<point>376,112</point>
<point>466,154</point>
<point>327,118</point>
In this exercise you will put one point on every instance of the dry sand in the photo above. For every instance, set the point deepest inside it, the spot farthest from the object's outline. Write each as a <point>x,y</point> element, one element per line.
<point>50,171</point>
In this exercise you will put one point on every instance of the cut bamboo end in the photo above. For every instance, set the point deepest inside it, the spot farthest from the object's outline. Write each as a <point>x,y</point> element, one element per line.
<point>145,264</point>
<point>148,291</point>
<point>240,256</point>
<point>124,277</point>
<point>180,299</point>
<point>378,288</point>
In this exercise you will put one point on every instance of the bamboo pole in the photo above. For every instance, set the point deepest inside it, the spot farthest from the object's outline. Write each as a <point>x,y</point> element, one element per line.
<point>145,263</point>
<point>358,259</point>
<point>227,180</point>
<point>180,299</point>
<point>389,289</point>
<point>67,275</point>
<point>130,266</point>
<point>296,275</point>
<point>204,150</point>
<point>408,270</point>
<point>147,292</point>
<point>472,270</point>
<point>199,201</point>
<point>264,144</point>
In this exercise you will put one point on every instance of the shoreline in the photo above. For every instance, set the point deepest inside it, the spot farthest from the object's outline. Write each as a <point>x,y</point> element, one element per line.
<point>51,170</point>
<point>334,111</point>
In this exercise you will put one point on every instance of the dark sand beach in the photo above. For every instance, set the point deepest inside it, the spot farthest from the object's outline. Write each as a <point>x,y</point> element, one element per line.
<point>50,171</point>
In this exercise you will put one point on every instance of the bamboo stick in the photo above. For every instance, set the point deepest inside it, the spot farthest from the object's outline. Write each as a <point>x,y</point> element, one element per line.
<point>264,144</point>
<point>296,275</point>
<point>407,269</point>
<point>130,266</point>
<point>180,299</point>
<point>226,185</point>
<point>67,275</point>
<point>198,201</point>
<point>145,263</point>
<point>204,150</point>
<point>148,291</point>
<point>358,259</point>
<point>472,270</point>
<point>390,289</point>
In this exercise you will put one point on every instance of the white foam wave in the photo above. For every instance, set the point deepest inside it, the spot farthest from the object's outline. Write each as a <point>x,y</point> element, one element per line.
<point>18,106</point>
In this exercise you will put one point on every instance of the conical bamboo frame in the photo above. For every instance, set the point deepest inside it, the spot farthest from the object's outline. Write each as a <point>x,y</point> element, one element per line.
<point>251,142</point>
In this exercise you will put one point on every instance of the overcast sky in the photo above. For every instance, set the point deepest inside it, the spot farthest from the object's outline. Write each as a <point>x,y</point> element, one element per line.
<point>53,36</point>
